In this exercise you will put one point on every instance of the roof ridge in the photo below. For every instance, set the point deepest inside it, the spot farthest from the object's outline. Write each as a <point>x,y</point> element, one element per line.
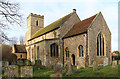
<point>82,24</point>
<point>89,17</point>
<point>93,19</point>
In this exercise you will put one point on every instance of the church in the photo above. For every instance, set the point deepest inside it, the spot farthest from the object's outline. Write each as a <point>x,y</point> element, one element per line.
<point>68,38</point>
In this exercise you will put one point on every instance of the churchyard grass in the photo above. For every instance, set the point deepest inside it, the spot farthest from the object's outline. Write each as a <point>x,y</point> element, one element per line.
<point>44,72</point>
<point>103,71</point>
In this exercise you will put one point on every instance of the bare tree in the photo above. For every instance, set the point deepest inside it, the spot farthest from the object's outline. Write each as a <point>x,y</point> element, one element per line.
<point>9,14</point>
<point>3,39</point>
<point>13,40</point>
<point>22,39</point>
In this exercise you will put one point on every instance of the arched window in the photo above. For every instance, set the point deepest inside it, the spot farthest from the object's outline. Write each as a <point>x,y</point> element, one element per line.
<point>54,33</point>
<point>20,56</point>
<point>37,52</point>
<point>32,53</point>
<point>29,53</point>
<point>100,45</point>
<point>67,52</point>
<point>81,52</point>
<point>54,50</point>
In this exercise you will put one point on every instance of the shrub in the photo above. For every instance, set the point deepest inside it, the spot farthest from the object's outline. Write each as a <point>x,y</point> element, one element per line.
<point>38,64</point>
<point>42,67</point>
<point>27,62</point>
<point>82,68</point>
<point>20,62</point>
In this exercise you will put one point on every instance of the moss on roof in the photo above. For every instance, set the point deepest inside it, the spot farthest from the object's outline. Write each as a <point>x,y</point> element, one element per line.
<point>51,26</point>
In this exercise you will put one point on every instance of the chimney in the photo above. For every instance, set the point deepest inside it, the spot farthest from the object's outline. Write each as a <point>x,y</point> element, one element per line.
<point>74,10</point>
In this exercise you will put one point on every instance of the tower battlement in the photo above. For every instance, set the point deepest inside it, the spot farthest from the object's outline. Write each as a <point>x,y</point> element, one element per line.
<point>35,15</point>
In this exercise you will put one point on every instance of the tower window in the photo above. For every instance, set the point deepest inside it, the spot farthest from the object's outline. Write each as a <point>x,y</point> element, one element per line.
<point>37,23</point>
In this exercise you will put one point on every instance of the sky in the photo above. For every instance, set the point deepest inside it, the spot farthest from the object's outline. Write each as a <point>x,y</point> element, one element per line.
<point>55,9</point>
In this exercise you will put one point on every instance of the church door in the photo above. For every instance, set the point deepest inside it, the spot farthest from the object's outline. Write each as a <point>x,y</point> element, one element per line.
<point>73,59</point>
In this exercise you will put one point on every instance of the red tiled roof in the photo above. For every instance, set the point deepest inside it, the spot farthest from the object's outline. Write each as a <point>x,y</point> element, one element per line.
<point>20,49</point>
<point>80,27</point>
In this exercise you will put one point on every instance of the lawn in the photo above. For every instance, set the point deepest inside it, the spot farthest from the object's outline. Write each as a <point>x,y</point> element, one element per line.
<point>102,71</point>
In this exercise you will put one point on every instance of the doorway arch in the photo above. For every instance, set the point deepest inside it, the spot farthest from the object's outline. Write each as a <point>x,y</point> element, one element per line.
<point>73,59</point>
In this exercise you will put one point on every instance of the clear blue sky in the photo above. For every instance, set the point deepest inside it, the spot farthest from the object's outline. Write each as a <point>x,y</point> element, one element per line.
<point>55,9</point>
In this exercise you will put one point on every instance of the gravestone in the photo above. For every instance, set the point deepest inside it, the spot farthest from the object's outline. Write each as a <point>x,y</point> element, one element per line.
<point>68,68</point>
<point>119,62</point>
<point>1,68</point>
<point>95,65</point>
<point>11,71</point>
<point>58,67</point>
<point>114,63</point>
<point>5,63</point>
<point>56,76</point>
<point>48,63</point>
<point>57,70</point>
<point>105,61</point>
<point>26,71</point>
<point>38,64</point>
<point>78,66</point>
<point>86,61</point>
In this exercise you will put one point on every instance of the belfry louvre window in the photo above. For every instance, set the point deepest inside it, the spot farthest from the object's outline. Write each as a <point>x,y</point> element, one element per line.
<point>37,23</point>
<point>100,45</point>
<point>54,50</point>
<point>67,52</point>
<point>81,52</point>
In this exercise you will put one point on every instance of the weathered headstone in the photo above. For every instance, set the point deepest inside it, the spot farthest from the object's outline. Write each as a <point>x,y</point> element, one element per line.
<point>95,65</point>
<point>5,63</point>
<point>86,61</point>
<point>105,61</point>
<point>26,71</point>
<point>56,76</point>
<point>114,63</point>
<point>78,66</point>
<point>58,67</point>
<point>1,68</point>
<point>48,63</point>
<point>119,62</point>
<point>11,71</point>
<point>68,68</point>
<point>38,64</point>
<point>57,70</point>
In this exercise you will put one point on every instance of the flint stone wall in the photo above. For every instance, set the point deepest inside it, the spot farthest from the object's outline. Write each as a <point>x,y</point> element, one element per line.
<point>26,71</point>
<point>11,71</point>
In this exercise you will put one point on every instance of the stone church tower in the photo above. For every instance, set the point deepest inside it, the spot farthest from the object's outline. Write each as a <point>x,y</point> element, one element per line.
<point>34,23</point>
